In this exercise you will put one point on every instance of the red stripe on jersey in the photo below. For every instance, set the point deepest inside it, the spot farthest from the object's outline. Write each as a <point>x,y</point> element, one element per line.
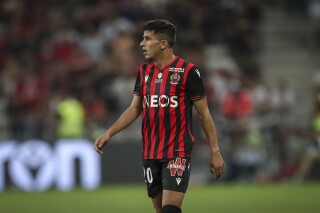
<point>182,127</point>
<point>183,114</point>
<point>162,131</point>
<point>141,78</point>
<point>145,136</point>
<point>152,113</point>
<point>173,122</point>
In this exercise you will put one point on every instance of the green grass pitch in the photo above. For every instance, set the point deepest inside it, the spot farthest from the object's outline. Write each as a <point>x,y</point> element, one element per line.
<point>222,198</point>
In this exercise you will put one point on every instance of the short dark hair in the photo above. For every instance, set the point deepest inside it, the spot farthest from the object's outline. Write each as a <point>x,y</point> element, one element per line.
<point>163,27</point>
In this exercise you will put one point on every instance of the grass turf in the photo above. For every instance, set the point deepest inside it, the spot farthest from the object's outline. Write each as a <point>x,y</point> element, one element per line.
<point>289,198</point>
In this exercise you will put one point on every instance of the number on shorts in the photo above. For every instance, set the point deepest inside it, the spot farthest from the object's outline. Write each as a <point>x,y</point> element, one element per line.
<point>148,175</point>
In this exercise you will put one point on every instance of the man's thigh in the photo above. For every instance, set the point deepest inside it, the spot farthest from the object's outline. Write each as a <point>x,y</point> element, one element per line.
<point>153,177</point>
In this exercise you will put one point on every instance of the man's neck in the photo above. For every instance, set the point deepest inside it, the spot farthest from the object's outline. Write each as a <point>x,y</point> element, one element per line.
<point>164,60</point>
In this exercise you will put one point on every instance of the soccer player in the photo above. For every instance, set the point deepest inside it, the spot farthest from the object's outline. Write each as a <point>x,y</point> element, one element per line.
<point>165,92</point>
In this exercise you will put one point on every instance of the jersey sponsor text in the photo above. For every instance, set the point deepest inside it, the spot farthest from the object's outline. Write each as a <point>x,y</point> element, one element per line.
<point>160,101</point>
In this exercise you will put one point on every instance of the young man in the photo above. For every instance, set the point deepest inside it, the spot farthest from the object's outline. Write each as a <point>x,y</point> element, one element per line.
<point>165,92</point>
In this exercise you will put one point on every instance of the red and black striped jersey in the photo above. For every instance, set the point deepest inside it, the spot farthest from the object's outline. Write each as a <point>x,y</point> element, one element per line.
<point>168,94</point>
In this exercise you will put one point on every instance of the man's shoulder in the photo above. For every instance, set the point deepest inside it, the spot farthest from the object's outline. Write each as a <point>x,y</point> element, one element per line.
<point>146,65</point>
<point>187,63</point>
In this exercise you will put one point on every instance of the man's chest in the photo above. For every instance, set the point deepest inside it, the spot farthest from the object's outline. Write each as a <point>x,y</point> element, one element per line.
<point>167,82</point>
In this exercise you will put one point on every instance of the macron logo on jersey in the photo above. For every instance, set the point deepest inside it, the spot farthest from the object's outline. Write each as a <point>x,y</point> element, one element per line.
<point>198,73</point>
<point>159,79</point>
<point>160,101</point>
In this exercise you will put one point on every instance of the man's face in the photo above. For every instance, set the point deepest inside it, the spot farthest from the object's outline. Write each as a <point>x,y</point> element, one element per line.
<point>150,45</point>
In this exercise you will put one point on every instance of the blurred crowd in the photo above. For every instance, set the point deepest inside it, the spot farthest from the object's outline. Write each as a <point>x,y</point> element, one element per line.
<point>310,161</point>
<point>314,14</point>
<point>67,69</point>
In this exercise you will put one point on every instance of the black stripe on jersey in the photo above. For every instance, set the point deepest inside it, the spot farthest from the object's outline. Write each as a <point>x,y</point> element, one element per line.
<point>157,121</point>
<point>167,124</point>
<point>148,109</point>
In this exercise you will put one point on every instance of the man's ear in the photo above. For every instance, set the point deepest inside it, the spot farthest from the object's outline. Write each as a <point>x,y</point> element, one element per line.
<point>164,44</point>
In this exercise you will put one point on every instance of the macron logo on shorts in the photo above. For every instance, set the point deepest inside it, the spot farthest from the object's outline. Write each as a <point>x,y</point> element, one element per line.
<point>178,180</point>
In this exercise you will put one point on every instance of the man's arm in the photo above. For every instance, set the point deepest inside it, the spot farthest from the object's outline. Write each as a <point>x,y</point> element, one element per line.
<point>129,116</point>
<point>216,161</point>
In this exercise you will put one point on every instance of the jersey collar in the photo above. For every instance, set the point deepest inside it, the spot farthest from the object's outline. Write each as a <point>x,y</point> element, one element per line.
<point>166,66</point>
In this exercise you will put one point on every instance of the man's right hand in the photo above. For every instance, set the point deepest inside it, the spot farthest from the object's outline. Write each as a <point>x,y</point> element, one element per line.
<point>101,142</point>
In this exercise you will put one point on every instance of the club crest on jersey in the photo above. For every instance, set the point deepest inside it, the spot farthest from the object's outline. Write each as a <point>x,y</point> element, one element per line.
<point>174,78</point>
<point>146,78</point>
<point>159,79</point>
<point>177,167</point>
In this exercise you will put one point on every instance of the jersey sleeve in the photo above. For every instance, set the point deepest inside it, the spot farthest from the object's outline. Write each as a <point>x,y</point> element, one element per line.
<point>194,85</point>
<point>138,85</point>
